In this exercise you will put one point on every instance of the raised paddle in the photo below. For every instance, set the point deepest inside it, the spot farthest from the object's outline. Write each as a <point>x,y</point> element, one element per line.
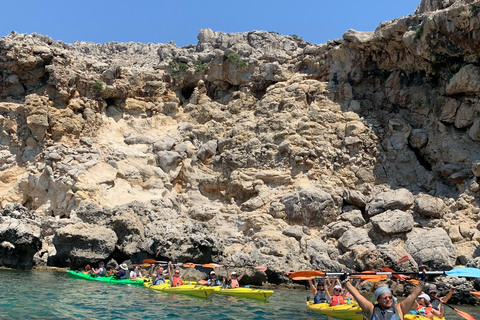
<point>212,265</point>
<point>475,294</point>
<point>458,272</point>
<point>403,259</point>
<point>460,313</point>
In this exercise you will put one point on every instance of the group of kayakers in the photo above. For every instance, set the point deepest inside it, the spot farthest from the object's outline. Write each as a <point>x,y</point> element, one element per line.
<point>385,307</point>
<point>159,275</point>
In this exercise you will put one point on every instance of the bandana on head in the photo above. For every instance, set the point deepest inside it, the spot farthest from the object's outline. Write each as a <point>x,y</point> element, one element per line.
<point>382,290</point>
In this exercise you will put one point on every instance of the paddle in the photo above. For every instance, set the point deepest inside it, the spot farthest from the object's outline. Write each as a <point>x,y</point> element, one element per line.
<point>303,278</point>
<point>458,272</point>
<point>460,313</point>
<point>212,265</point>
<point>475,294</point>
<point>403,259</point>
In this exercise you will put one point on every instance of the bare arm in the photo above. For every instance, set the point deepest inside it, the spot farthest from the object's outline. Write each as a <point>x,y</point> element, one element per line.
<point>241,276</point>
<point>448,296</point>
<point>407,304</point>
<point>185,273</point>
<point>312,287</point>
<point>366,305</point>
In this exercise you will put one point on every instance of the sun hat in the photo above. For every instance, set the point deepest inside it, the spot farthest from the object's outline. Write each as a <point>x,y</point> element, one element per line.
<point>212,272</point>
<point>320,283</point>
<point>124,266</point>
<point>233,273</point>
<point>337,286</point>
<point>425,296</point>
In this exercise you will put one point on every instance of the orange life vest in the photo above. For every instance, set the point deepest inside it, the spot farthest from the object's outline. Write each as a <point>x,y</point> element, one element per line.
<point>233,283</point>
<point>177,281</point>
<point>336,300</point>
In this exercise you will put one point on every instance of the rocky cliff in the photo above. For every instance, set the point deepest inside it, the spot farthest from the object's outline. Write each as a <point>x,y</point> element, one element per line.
<point>247,149</point>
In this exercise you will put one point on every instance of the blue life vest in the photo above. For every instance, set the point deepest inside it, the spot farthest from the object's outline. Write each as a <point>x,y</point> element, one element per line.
<point>320,297</point>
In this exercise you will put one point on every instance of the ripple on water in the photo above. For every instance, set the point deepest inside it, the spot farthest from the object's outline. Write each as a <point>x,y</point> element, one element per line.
<point>48,295</point>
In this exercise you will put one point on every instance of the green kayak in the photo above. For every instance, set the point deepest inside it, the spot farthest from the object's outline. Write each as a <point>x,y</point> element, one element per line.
<point>81,275</point>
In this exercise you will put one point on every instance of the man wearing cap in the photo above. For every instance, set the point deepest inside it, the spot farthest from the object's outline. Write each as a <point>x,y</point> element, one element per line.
<point>213,281</point>
<point>385,307</point>
<point>233,280</point>
<point>435,300</point>
<point>319,293</point>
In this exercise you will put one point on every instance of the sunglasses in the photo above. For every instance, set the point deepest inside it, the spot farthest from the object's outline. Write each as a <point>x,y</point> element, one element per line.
<point>387,298</point>
<point>338,290</point>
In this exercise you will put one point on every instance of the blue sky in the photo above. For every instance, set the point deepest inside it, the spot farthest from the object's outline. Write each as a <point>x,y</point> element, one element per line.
<point>316,21</point>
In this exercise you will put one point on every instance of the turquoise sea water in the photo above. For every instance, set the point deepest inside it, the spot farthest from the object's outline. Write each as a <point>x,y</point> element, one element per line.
<point>51,295</point>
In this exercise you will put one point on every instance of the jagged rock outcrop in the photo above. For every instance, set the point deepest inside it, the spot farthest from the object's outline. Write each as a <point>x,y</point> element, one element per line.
<point>252,148</point>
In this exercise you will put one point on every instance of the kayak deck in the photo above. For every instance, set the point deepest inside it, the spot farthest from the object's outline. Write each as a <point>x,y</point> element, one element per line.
<point>243,292</point>
<point>344,311</point>
<point>189,289</point>
<point>111,279</point>
<point>417,317</point>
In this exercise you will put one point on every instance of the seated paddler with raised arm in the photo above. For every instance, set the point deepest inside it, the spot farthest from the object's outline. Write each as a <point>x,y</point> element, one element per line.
<point>386,306</point>
<point>320,295</point>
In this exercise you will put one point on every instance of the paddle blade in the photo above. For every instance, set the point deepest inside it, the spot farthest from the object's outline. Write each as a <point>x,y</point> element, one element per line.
<point>402,260</point>
<point>149,261</point>
<point>260,268</point>
<point>464,314</point>
<point>475,293</point>
<point>189,265</point>
<point>371,278</point>
<point>203,282</point>
<point>303,278</point>
<point>307,273</point>
<point>212,265</point>
<point>414,281</point>
<point>464,272</point>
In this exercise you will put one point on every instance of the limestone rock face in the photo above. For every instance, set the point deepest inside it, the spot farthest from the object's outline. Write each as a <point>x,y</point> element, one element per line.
<point>84,242</point>
<point>19,241</point>
<point>432,248</point>
<point>247,148</point>
<point>393,222</point>
<point>310,207</point>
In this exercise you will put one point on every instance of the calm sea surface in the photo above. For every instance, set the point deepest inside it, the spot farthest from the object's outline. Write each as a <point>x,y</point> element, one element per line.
<point>50,295</point>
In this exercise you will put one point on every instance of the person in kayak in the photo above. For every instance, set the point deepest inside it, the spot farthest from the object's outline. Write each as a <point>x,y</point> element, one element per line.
<point>233,280</point>
<point>87,269</point>
<point>176,279</point>
<point>135,273</point>
<point>159,276</point>
<point>100,271</point>
<point>338,295</point>
<point>424,308</point>
<point>319,293</point>
<point>121,272</point>
<point>385,307</point>
<point>213,281</point>
<point>435,301</point>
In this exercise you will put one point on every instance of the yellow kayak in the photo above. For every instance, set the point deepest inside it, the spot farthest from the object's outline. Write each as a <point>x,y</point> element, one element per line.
<point>351,311</point>
<point>243,292</point>
<point>345,311</point>
<point>417,317</point>
<point>190,289</point>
